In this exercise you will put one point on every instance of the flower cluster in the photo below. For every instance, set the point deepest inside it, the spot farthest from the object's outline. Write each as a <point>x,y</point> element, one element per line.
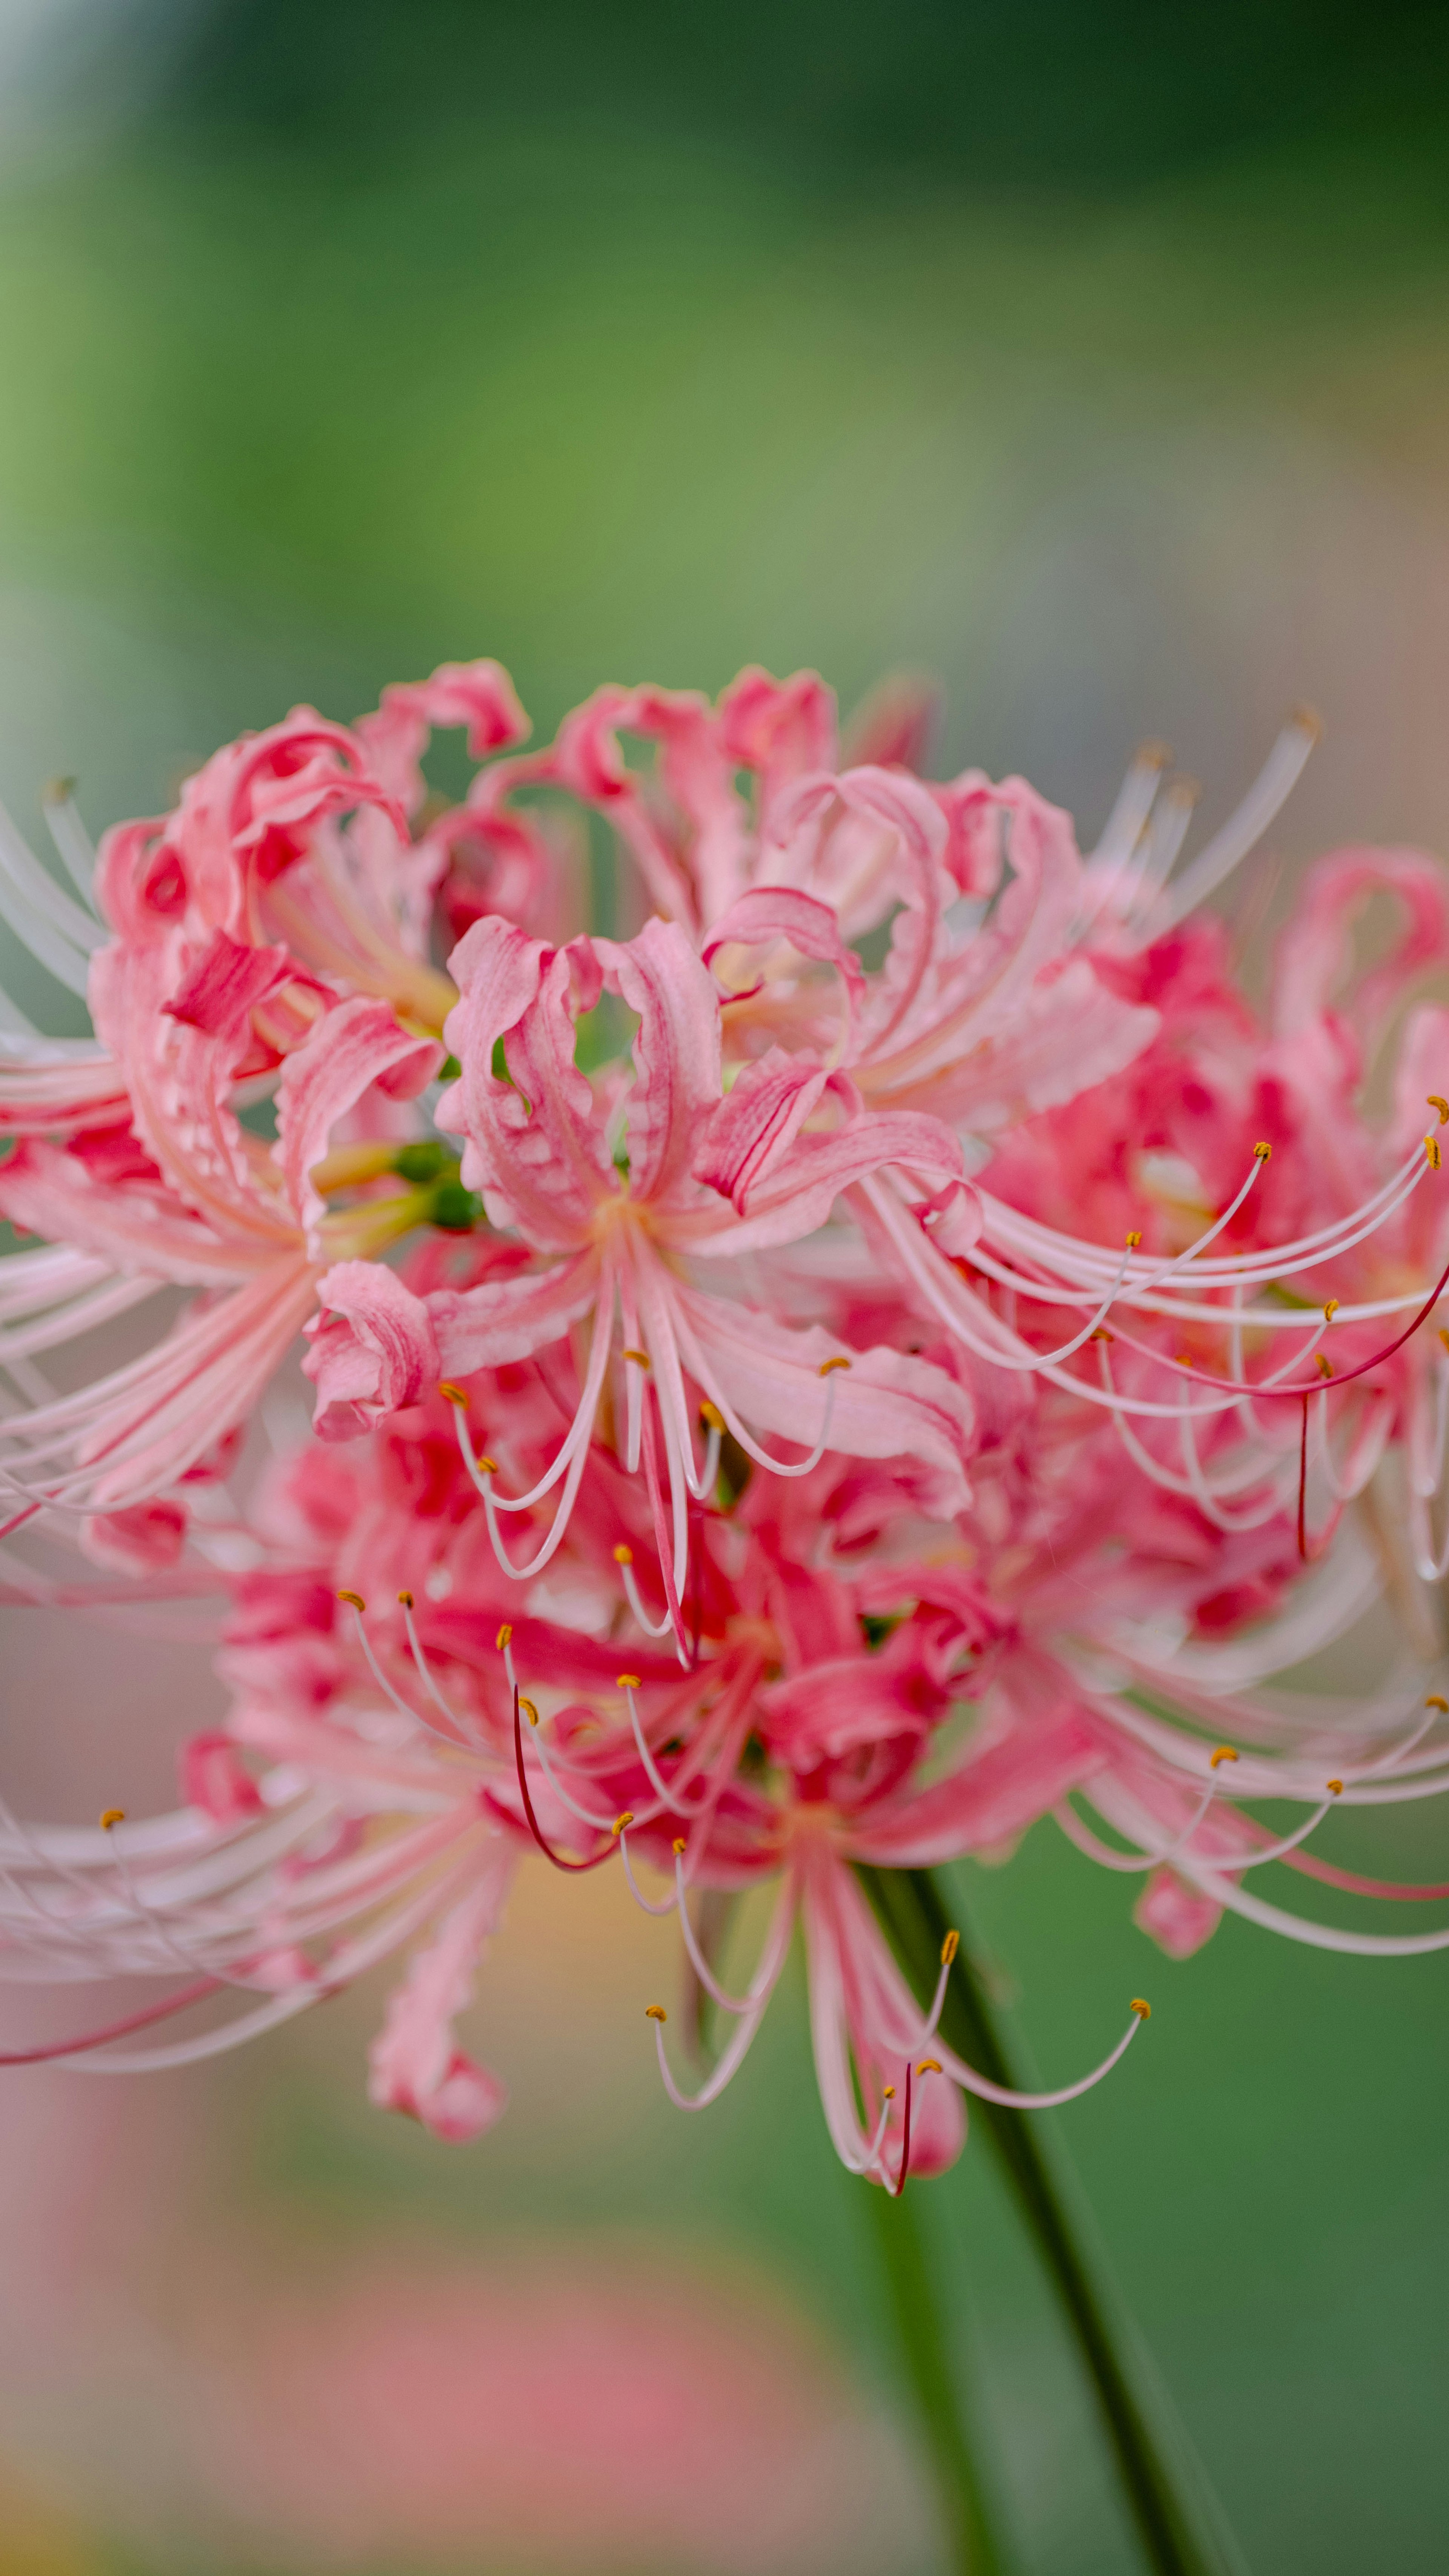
<point>898,1347</point>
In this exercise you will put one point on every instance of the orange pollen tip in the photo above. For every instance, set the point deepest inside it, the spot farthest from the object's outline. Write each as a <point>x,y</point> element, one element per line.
<point>1436,1101</point>
<point>839,1362</point>
<point>1142,2008</point>
<point>1101,1335</point>
<point>623,1555</point>
<point>630,1681</point>
<point>655,2012</point>
<point>1324,1366</point>
<point>1134,1238</point>
<point>639,1358</point>
<point>1435,1701</point>
<point>1431,1148</point>
<point>1335,1788</point>
<point>529,1711</point>
<point>1262,1153</point>
<point>1224,1753</point>
<point>406,1599</point>
<point>929,2066</point>
<point>353,1599</point>
<point>451,1394</point>
<point>1444,1337</point>
<point>487,1466</point>
<point>888,2092</point>
<point>620,1822</point>
<point>1330,1310</point>
<point>112,1816</point>
<point>949,1948</point>
<point>1185,1359</point>
<point>711,1416</point>
<point>504,1636</point>
<point>679,1846</point>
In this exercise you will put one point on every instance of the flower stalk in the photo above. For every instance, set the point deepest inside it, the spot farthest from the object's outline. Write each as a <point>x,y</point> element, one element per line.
<point>934,2380</point>
<point>1174,2530</point>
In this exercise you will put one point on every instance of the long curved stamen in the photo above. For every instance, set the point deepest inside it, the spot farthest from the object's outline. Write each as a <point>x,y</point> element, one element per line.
<point>766,1978</point>
<point>466,1729</point>
<point>1129,1864</point>
<point>828,1370</point>
<point>414,1716</point>
<point>1274,784</point>
<point>624,1559</point>
<point>534,1827</point>
<point>661,1537</point>
<point>985,2091</point>
<point>141,2020</point>
<point>666,1904</point>
<point>899,2184</point>
<point>628,1684</point>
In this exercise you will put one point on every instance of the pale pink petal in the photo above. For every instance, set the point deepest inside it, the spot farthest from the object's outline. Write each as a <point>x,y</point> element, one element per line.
<point>991,1798</point>
<point>885,1404</point>
<point>144,1540</point>
<point>414,2065</point>
<point>372,1349</point>
<point>215,1779</point>
<point>1178,1917</point>
<point>1315,967</point>
<point>358,1044</point>
<point>510,1319</point>
<point>676,1052</point>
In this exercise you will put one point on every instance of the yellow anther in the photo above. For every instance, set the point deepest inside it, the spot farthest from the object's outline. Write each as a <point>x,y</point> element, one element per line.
<point>888,2092</point>
<point>929,2066</point>
<point>623,1555</point>
<point>354,1599</point>
<point>1224,1753</point>
<point>1101,1334</point>
<point>655,2012</point>
<point>1444,1337</point>
<point>711,1416</point>
<point>1431,1148</point>
<point>1141,2007</point>
<point>639,1358</point>
<point>529,1711</point>
<point>620,1822</point>
<point>1330,1310</point>
<point>1134,1238</point>
<point>1436,1101</point>
<point>1262,1153</point>
<point>1335,1788</point>
<point>504,1636</point>
<point>949,1948</point>
<point>1184,1359</point>
<point>487,1466</point>
<point>630,1681</point>
<point>1323,1365</point>
<point>112,1816</point>
<point>839,1362</point>
<point>406,1599</point>
<point>679,1846</point>
<point>1434,1700</point>
<point>451,1394</point>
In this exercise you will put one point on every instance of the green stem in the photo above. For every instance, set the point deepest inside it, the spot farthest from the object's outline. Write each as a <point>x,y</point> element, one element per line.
<point>928,2361</point>
<point>915,1919</point>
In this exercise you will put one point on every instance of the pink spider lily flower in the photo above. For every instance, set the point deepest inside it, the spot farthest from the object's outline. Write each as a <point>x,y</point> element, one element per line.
<point>271,1890</point>
<point>1342,1243</point>
<point>978,1021</point>
<point>187,1197</point>
<point>298,842</point>
<point>610,1188</point>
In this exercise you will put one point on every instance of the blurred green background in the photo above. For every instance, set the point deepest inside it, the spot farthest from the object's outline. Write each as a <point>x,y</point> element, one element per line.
<point>1093,359</point>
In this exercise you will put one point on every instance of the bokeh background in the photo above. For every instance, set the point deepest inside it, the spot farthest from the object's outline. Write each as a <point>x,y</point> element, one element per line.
<point>1092,358</point>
